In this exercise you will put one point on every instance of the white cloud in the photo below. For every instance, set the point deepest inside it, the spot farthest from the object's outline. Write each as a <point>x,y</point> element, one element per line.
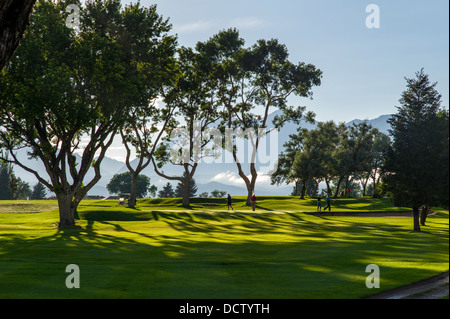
<point>233,178</point>
<point>247,22</point>
<point>250,22</point>
<point>228,177</point>
<point>193,27</point>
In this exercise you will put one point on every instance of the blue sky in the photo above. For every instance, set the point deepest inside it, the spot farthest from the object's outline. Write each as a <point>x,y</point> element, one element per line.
<point>363,69</point>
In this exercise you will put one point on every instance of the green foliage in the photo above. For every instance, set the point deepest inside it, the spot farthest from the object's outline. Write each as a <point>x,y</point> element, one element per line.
<point>5,173</point>
<point>334,153</point>
<point>153,189</point>
<point>64,84</point>
<point>121,183</point>
<point>167,191</point>
<point>283,172</point>
<point>179,190</point>
<point>417,161</point>
<point>39,192</point>
<point>19,188</point>
<point>11,186</point>
<point>254,79</point>
<point>217,193</point>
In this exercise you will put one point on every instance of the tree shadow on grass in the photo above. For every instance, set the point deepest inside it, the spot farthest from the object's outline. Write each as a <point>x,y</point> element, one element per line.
<point>243,257</point>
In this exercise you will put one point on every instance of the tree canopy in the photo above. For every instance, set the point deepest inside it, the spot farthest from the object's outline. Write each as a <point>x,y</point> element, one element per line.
<point>14,19</point>
<point>417,161</point>
<point>64,84</point>
<point>121,183</point>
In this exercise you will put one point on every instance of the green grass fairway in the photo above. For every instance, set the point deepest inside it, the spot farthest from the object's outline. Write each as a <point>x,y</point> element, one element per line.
<point>164,250</point>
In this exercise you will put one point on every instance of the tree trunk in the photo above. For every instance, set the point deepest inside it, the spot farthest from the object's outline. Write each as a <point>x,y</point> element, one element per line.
<point>66,211</point>
<point>14,19</point>
<point>365,186</point>
<point>416,218</point>
<point>250,184</point>
<point>376,181</point>
<point>424,214</point>
<point>346,194</point>
<point>186,192</point>
<point>303,191</point>
<point>250,190</point>
<point>328,186</point>
<point>133,194</point>
<point>295,188</point>
<point>337,187</point>
<point>316,188</point>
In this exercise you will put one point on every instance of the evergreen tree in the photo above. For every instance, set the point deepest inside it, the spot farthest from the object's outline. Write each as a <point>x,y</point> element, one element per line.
<point>5,192</point>
<point>417,161</point>
<point>19,188</point>
<point>166,192</point>
<point>38,191</point>
<point>192,188</point>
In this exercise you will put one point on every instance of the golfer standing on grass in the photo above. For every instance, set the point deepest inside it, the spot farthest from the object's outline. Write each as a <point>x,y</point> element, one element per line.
<point>253,201</point>
<point>229,202</point>
<point>319,204</point>
<point>328,200</point>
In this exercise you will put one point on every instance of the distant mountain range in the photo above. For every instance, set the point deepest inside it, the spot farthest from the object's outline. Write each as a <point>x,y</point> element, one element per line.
<point>208,176</point>
<point>379,123</point>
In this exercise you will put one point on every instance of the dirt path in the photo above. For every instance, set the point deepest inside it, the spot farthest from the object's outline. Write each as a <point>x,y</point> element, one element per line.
<point>371,214</point>
<point>432,288</point>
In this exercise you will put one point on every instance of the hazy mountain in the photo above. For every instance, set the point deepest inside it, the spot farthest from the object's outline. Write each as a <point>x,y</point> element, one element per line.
<point>379,123</point>
<point>209,176</point>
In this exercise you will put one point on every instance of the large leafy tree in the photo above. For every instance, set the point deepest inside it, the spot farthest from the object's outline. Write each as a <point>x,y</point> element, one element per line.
<point>141,133</point>
<point>314,160</point>
<point>167,191</point>
<point>359,145</point>
<point>417,161</point>
<point>252,81</point>
<point>380,145</point>
<point>66,86</point>
<point>283,172</point>
<point>121,183</point>
<point>14,19</point>
<point>192,99</point>
<point>179,190</point>
<point>305,167</point>
<point>5,173</point>
<point>38,192</point>
<point>324,140</point>
<point>148,34</point>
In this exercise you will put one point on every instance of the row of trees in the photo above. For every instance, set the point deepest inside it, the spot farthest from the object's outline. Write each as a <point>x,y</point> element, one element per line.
<point>122,184</point>
<point>333,153</point>
<point>73,90</point>
<point>168,191</point>
<point>416,165</point>
<point>411,166</point>
<point>13,187</point>
<point>66,86</point>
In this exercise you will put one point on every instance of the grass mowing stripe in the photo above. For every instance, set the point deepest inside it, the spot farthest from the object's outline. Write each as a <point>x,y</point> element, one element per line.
<point>195,253</point>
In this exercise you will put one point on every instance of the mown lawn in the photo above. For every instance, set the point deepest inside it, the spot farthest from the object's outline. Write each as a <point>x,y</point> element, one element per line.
<point>164,250</point>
